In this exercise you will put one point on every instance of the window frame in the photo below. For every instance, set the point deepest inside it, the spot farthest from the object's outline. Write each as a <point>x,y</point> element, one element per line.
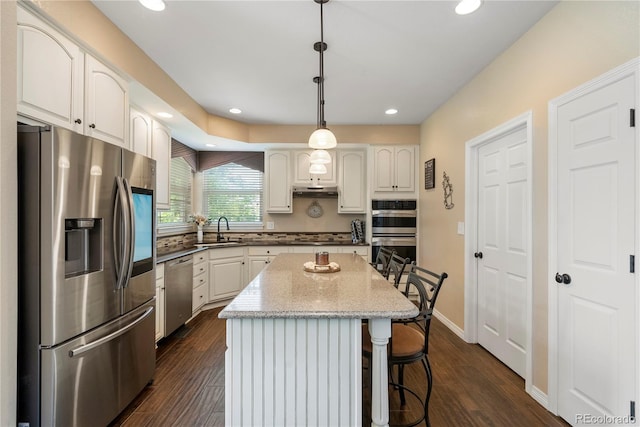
<point>236,225</point>
<point>177,227</point>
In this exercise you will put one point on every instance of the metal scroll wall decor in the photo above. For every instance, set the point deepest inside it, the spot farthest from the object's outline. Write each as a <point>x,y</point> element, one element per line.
<point>448,191</point>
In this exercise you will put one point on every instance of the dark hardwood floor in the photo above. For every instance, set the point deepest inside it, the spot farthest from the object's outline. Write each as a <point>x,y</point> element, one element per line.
<point>471,387</point>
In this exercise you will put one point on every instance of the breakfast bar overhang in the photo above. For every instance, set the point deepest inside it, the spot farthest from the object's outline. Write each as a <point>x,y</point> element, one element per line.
<point>294,346</point>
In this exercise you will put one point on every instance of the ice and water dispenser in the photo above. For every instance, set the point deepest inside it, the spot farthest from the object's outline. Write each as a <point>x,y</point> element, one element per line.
<point>83,246</point>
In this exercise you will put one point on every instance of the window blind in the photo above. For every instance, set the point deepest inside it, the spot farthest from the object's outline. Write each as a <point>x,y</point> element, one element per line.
<point>235,192</point>
<point>179,193</point>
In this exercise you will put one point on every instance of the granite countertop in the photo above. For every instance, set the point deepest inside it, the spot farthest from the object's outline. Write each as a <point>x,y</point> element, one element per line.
<point>285,290</point>
<point>177,254</point>
<point>197,247</point>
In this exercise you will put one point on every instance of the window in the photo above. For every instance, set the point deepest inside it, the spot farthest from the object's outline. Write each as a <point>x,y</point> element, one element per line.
<point>235,192</point>
<point>179,194</point>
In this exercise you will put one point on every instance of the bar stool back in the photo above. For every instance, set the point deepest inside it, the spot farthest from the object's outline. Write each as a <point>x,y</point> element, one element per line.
<point>409,342</point>
<point>397,265</point>
<point>382,261</point>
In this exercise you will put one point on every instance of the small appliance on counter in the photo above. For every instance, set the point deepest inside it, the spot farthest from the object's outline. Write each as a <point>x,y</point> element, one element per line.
<point>357,231</point>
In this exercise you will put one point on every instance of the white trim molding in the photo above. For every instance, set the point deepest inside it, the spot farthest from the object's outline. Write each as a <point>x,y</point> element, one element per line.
<point>449,324</point>
<point>472,148</point>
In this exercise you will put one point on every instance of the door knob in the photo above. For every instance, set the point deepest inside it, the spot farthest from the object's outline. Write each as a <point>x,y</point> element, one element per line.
<point>78,121</point>
<point>563,278</point>
<point>92,126</point>
<point>478,255</point>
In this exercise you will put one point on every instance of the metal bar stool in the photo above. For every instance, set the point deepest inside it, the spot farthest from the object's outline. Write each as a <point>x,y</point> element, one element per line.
<point>382,261</point>
<point>397,265</point>
<point>409,342</point>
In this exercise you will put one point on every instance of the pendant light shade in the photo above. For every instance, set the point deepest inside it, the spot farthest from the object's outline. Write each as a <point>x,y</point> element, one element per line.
<point>322,139</point>
<point>320,156</point>
<point>317,168</point>
<point>466,7</point>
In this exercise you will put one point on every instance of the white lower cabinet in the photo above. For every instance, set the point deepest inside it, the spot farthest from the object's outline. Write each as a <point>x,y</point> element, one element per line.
<point>159,301</point>
<point>260,256</point>
<point>200,280</point>
<point>363,251</point>
<point>226,273</point>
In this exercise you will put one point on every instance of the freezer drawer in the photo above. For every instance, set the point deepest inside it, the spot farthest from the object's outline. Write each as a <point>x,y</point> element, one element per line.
<point>88,381</point>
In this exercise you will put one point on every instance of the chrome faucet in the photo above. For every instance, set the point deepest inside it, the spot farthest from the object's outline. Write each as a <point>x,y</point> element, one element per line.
<point>219,236</point>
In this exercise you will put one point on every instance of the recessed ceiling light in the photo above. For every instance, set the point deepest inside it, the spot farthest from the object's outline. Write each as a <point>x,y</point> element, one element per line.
<point>391,111</point>
<point>211,145</point>
<point>165,115</point>
<point>235,111</point>
<point>467,6</point>
<point>155,5</point>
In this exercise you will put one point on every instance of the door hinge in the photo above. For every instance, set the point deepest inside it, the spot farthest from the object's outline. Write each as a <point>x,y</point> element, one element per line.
<point>632,263</point>
<point>632,410</point>
<point>632,117</point>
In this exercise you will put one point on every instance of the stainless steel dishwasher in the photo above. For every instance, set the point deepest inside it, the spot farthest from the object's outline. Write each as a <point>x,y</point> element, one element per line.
<point>178,293</point>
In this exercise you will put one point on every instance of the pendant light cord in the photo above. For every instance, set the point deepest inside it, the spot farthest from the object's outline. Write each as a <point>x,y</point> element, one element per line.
<point>323,124</point>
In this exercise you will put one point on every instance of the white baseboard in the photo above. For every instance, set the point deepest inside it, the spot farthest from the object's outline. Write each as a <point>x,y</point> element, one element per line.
<point>449,324</point>
<point>540,397</point>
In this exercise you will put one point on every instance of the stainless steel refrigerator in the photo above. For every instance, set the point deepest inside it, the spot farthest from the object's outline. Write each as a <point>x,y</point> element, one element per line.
<point>86,326</point>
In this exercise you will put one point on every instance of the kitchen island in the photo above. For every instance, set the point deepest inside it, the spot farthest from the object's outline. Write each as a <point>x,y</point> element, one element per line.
<point>294,346</point>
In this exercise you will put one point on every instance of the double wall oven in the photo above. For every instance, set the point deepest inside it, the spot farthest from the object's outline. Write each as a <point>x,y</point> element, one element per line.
<point>394,225</point>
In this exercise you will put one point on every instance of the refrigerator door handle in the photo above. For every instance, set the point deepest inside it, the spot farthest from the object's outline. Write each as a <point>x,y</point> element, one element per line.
<point>130,241</point>
<point>121,247</point>
<point>87,347</point>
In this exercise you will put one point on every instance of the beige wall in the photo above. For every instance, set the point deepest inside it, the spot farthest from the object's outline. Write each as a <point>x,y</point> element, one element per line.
<point>299,221</point>
<point>392,134</point>
<point>573,43</point>
<point>8,214</point>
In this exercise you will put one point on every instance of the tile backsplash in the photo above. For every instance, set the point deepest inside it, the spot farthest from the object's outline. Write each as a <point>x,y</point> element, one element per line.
<point>169,244</point>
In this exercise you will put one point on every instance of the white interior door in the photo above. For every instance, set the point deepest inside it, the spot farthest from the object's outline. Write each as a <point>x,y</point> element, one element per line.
<point>597,327</point>
<point>502,250</point>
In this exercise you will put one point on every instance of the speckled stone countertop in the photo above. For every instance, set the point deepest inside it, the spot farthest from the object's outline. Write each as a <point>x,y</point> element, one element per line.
<point>284,290</point>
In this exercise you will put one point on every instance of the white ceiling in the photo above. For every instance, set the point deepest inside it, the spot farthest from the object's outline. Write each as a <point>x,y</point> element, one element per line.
<point>258,55</point>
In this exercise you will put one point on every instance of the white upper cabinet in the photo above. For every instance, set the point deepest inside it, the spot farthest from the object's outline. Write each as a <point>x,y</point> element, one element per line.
<point>50,74</point>
<point>161,152</point>
<point>277,172</point>
<point>140,131</point>
<point>352,182</point>
<point>301,175</point>
<point>61,85</point>
<point>106,104</point>
<point>394,169</point>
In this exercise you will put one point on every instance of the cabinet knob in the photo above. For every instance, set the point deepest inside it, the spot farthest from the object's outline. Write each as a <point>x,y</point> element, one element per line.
<point>92,126</point>
<point>78,121</point>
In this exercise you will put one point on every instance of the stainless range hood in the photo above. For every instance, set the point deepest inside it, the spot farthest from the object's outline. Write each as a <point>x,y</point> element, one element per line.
<point>324,192</point>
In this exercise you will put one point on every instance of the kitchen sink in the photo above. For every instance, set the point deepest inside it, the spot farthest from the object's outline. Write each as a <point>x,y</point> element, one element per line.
<point>225,243</point>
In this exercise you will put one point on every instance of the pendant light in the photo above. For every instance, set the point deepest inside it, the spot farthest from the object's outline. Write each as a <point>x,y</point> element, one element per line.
<point>317,168</point>
<point>320,156</point>
<point>322,138</point>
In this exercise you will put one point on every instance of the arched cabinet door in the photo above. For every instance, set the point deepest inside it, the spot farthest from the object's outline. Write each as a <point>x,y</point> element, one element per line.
<point>106,103</point>
<point>50,74</point>
<point>277,172</point>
